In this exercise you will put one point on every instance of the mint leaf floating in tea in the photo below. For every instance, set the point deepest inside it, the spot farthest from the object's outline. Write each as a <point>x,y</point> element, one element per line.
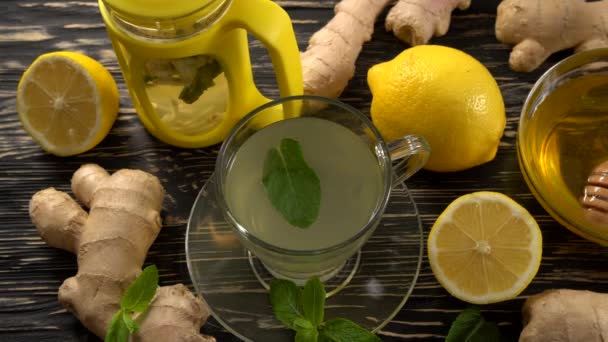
<point>470,326</point>
<point>136,298</point>
<point>292,186</point>
<point>203,80</point>
<point>285,298</point>
<point>344,330</point>
<point>196,73</point>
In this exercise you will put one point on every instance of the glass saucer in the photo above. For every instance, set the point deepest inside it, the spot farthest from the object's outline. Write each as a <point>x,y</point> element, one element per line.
<point>369,290</point>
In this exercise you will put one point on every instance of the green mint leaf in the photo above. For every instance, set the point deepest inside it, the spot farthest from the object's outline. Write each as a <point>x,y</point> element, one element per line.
<point>343,330</point>
<point>313,301</point>
<point>302,324</point>
<point>307,335</point>
<point>139,295</point>
<point>470,326</point>
<point>130,323</point>
<point>149,78</point>
<point>136,298</point>
<point>285,298</point>
<point>488,332</point>
<point>292,186</point>
<point>203,80</point>
<point>323,338</point>
<point>118,331</point>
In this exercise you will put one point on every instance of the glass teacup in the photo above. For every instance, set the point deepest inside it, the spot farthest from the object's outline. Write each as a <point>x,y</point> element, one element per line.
<point>356,172</point>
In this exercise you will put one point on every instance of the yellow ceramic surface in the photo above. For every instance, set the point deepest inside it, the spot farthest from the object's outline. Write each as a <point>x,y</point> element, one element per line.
<point>223,36</point>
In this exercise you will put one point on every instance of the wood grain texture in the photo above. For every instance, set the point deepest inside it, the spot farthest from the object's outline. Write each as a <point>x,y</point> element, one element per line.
<point>31,272</point>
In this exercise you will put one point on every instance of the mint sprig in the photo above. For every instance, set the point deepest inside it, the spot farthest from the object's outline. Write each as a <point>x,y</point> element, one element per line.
<point>292,186</point>
<point>203,80</point>
<point>470,326</point>
<point>303,310</point>
<point>313,301</point>
<point>343,330</point>
<point>136,298</point>
<point>286,299</point>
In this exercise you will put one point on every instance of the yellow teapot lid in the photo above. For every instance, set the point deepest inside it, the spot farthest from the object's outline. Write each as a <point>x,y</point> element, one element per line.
<point>164,9</point>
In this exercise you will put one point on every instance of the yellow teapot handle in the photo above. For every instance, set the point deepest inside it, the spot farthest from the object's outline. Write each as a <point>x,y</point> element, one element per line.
<point>269,23</point>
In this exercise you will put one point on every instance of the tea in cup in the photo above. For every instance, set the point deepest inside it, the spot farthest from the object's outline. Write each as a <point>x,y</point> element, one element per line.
<point>304,194</point>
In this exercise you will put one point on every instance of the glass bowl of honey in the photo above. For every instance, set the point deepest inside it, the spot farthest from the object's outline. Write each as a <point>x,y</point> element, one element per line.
<point>562,143</point>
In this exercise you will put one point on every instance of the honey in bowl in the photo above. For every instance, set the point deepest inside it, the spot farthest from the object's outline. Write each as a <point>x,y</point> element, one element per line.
<point>562,147</point>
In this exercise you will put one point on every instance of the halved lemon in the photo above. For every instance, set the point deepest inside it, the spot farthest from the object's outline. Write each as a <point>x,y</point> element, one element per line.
<point>67,102</point>
<point>485,248</point>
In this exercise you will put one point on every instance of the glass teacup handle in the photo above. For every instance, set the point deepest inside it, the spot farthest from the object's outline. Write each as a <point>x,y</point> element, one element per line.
<point>408,154</point>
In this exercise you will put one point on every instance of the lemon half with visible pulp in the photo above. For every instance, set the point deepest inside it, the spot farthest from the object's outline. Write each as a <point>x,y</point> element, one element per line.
<point>67,102</point>
<point>485,248</point>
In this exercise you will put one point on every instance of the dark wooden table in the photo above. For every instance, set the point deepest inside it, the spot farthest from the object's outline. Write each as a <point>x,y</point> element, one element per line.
<point>31,272</point>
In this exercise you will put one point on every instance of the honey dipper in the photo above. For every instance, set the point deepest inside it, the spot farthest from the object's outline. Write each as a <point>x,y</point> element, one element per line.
<point>595,198</point>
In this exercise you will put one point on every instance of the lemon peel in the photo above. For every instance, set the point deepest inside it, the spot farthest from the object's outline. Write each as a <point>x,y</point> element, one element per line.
<point>445,95</point>
<point>485,248</point>
<point>67,102</point>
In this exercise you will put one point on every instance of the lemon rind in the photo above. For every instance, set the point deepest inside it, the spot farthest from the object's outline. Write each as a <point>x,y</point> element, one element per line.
<point>524,278</point>
<point>40,137</point>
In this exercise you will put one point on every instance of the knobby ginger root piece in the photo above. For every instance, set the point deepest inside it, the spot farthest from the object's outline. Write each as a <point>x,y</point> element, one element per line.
<point>416,21</point>
<point>329,61</point>
<point>539,28</point>
<point>565,316</point>
<point>111,243</point>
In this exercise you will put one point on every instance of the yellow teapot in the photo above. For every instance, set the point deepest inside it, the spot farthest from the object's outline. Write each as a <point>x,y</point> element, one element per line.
<point>186,62</point>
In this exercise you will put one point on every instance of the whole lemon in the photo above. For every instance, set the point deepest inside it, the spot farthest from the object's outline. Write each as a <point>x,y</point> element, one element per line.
<point>445,95</point>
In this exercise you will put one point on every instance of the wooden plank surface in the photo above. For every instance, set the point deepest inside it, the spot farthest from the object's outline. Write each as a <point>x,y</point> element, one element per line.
<point>31,272</point>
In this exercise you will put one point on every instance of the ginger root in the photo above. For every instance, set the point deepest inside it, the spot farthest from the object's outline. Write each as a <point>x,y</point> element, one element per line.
<point>539,28</point>
<point>565,315</point>
<point>111,243</point>
<point>329,61</point>
<point>416,21</point>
